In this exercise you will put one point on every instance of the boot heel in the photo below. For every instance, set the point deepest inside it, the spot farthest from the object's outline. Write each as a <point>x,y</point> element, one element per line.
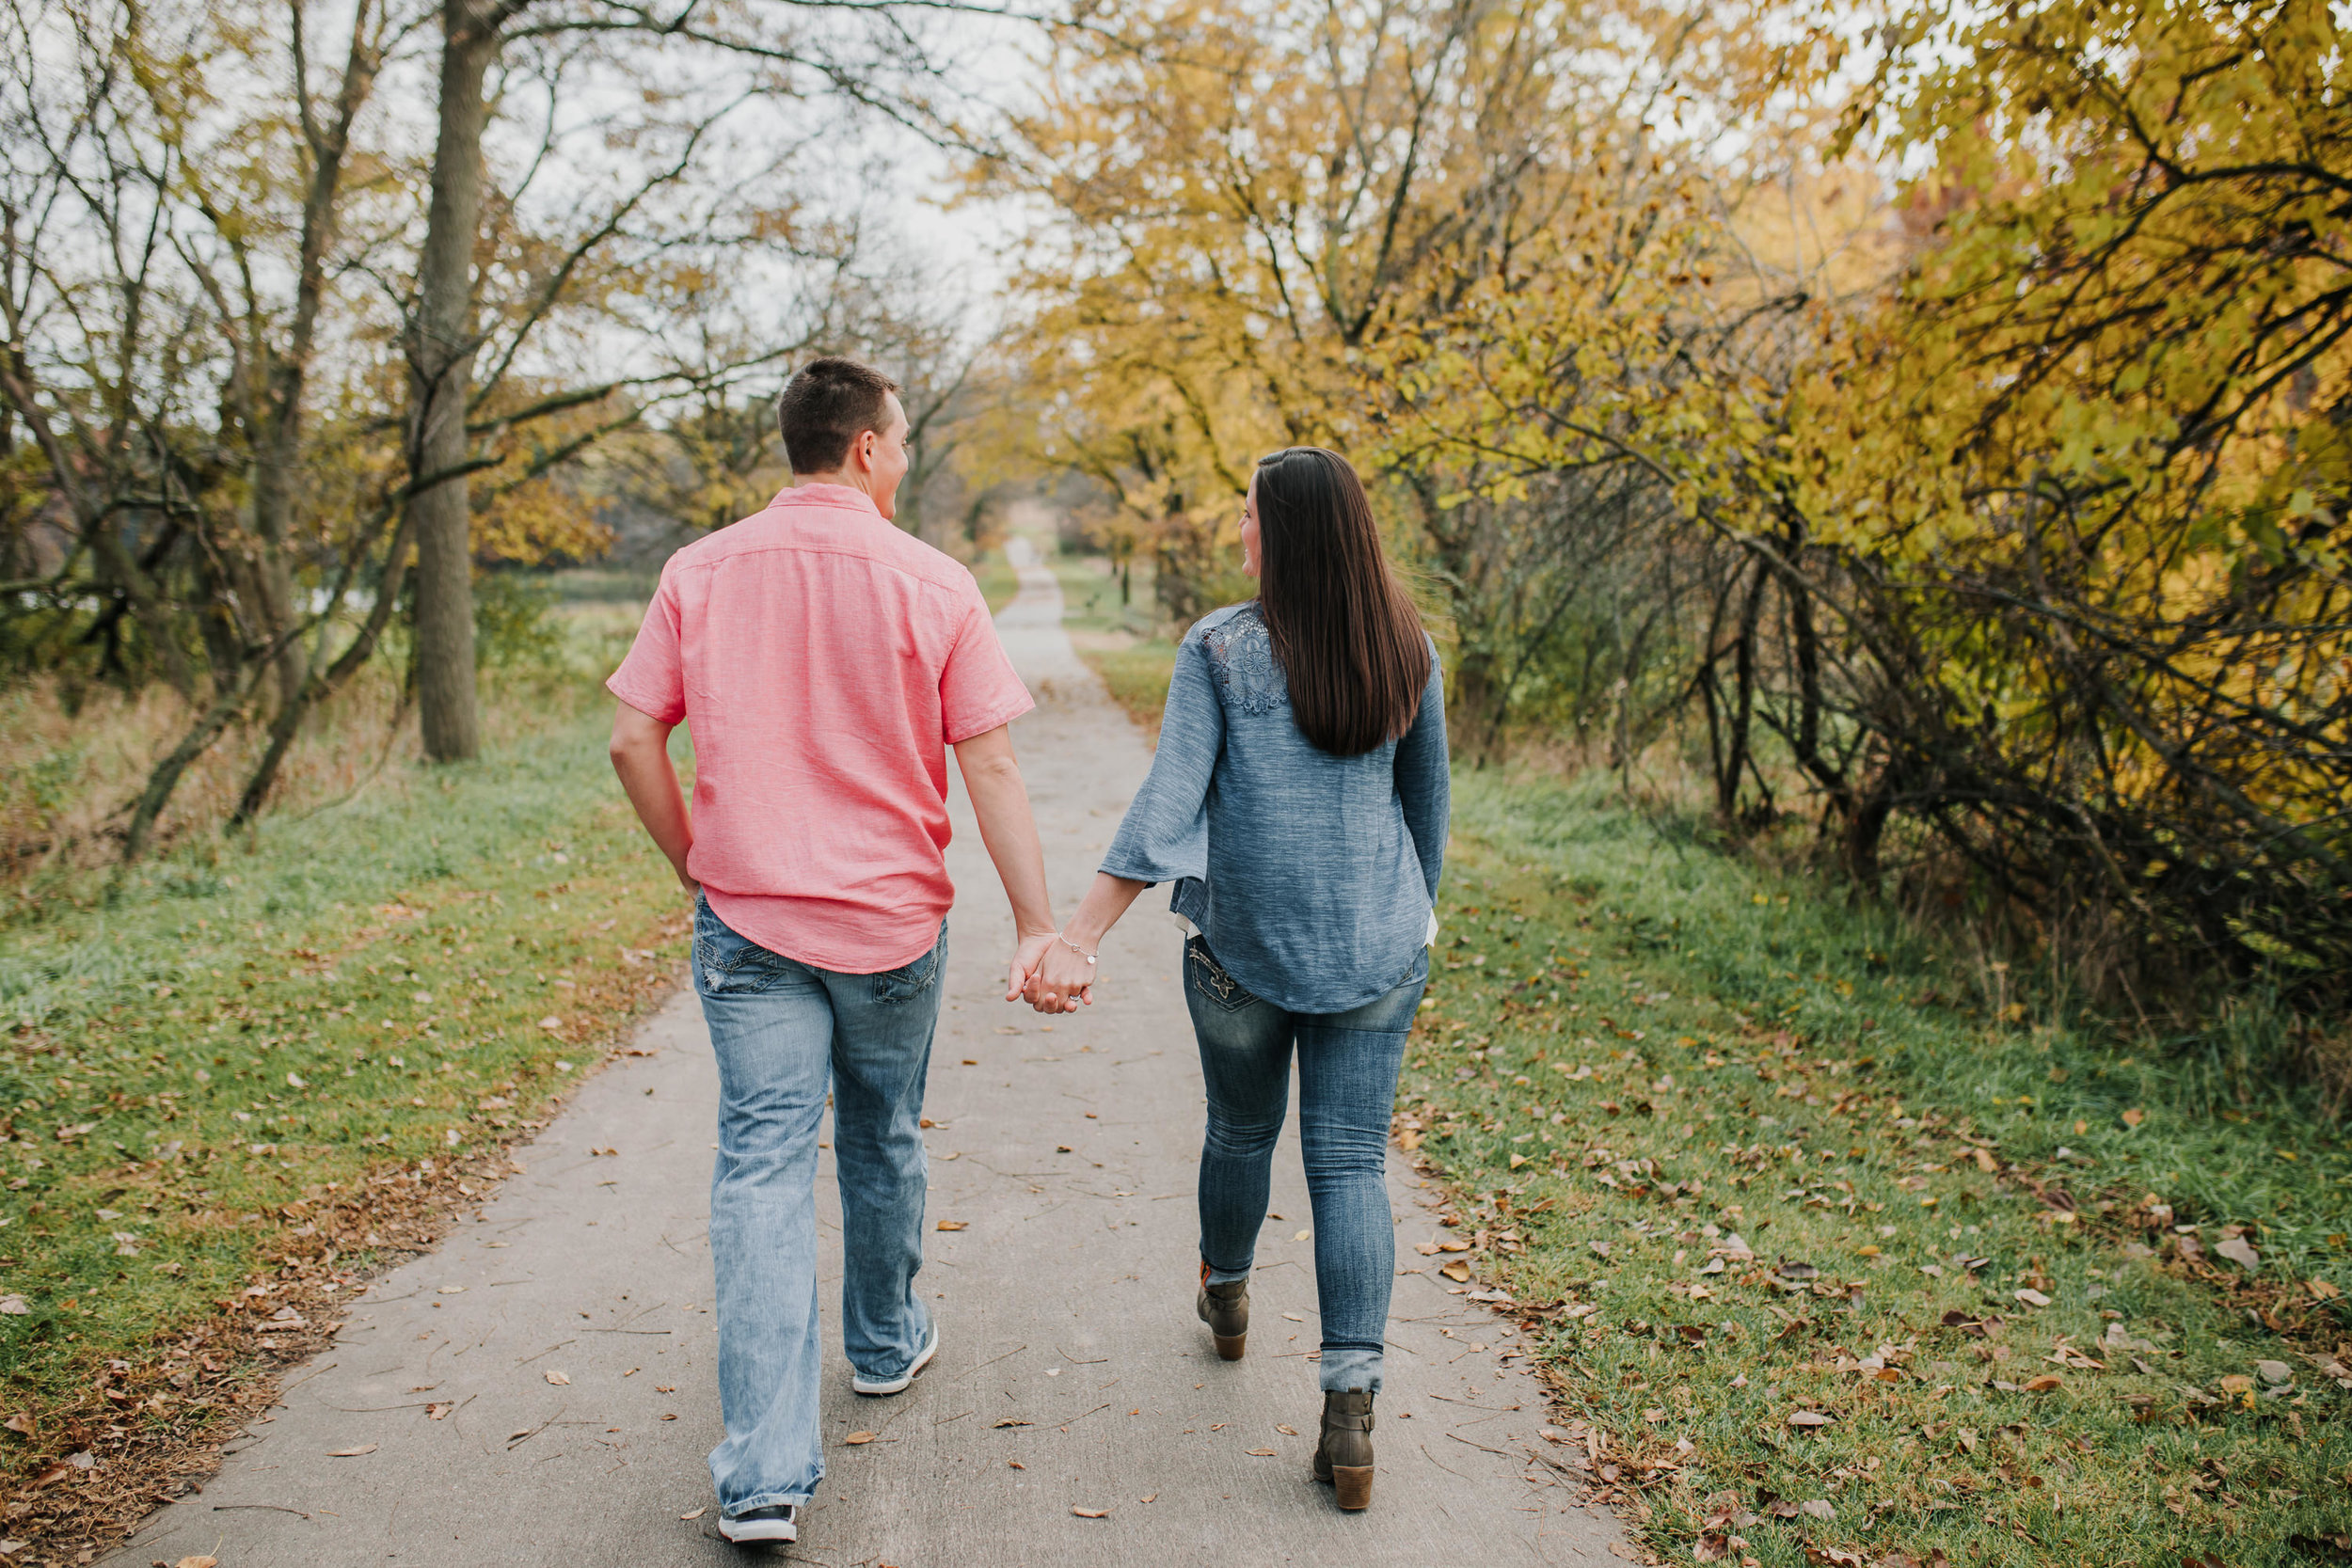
<point>1353,1483</point>
<point>1229,1346</point>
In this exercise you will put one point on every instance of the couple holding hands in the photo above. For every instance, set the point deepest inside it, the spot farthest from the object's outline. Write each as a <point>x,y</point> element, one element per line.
<point>825,661</point>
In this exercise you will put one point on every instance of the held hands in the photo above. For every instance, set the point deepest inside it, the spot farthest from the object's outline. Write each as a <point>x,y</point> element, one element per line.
<point>1054,972</point>
<point>1026,958</point>
<point>1062,980</point>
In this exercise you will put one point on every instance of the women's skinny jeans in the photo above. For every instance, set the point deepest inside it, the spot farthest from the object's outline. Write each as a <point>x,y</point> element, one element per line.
<point>1347,1068</point>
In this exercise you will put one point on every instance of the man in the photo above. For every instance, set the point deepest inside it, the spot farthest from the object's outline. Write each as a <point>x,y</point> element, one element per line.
<point>823,660</point>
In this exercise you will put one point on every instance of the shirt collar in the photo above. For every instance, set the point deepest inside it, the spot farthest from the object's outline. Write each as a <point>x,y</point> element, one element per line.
<point>847,497</point>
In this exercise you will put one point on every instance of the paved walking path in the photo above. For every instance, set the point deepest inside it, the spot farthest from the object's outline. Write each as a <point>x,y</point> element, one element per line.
<point>571,1325</point>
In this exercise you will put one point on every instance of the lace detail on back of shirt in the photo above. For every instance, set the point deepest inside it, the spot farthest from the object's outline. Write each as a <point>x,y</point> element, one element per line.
<point>1241,654</point>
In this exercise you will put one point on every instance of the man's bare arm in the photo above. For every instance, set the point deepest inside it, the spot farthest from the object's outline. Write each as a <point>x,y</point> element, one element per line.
<point>641,755</point>
<point>992,778</point>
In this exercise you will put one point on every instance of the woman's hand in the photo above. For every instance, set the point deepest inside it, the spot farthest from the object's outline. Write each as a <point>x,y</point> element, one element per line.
<point>1064,978</point>
<point>1061,981</point>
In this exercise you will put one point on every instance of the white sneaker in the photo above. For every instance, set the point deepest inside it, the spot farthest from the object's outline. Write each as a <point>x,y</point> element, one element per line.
<point>779,1523</point>
<point>897,1384</point>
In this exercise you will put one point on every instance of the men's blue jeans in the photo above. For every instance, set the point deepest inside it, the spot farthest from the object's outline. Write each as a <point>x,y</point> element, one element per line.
<point>785,1034</point>
<point>1347,1067</point>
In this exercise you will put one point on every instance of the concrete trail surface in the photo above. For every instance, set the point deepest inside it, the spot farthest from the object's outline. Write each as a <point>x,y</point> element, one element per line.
<point>569,1326</point>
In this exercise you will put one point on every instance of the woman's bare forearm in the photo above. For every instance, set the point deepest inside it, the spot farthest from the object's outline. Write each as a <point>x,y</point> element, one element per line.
<point>1104,902</point>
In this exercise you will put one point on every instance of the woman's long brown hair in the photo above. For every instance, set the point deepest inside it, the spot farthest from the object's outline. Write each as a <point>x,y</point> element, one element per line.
<point>1346,632</point>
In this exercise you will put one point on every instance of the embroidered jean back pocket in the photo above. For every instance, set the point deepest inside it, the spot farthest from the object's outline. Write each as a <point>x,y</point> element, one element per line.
<point>909,981</point>
<point>1210,979</point>
<point>724,961</point>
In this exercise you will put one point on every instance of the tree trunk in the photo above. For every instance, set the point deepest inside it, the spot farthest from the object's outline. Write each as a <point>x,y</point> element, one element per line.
<point>441,383</point>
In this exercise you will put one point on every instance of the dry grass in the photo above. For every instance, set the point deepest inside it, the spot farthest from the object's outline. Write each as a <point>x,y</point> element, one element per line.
<point>69,781</point>
<point>70,777</point>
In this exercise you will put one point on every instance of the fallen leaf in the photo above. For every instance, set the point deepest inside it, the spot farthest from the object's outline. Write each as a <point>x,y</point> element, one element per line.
<point>2032,1297</point>
<point>1819,1508</point>
<point>1985,1162</point>
<point>13,1305</point>
<point>1452,1244</point>
<point>1456,1271</point>
<point>1061,1148</point>
<point>2274,1371</point>
<point>20,1423</point>
<point>1010,1421</point>
<point>1427,1249</point>
<point>1149,1497</point>
<point>1258,1453</point>
<point>1600,1249</point>
<point>436,1412</point>
<point>351,1453</point>
<point>1302,1236</point>
<point>1287,1431</point>
<point>561,1380</point>
<point>2043,1384</point>
<point>2133,1116</point>
<point>1015,1464</point>
<point>697,1513</point>
<point>198,1562</point>
<point>1712,1548</point>
<point>2320,1289</point>
<point>1518,1160</point>
<point>1090,1513</point>
<point>1811,1419</point>
<point>955,1225</point>
<point>551,1021</point>
<point>2237,1250</point>
<point>855,1438</point>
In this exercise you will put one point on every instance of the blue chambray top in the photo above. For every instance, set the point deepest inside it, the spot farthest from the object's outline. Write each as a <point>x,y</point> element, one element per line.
<point>1311,877</point>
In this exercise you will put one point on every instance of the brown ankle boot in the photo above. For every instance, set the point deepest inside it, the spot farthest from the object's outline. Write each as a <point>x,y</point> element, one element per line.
<point>1226,1309</point>
<point>1343,1457</point>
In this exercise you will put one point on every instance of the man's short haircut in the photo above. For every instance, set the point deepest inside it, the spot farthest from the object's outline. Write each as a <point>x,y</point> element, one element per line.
<point>827,405</point>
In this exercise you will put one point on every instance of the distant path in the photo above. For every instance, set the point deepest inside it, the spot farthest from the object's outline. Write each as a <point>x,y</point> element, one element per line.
<point>568,1332</point>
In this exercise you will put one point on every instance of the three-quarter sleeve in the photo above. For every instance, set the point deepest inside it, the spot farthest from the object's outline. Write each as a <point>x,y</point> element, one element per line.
<point>1165,836</point>
<point>1424,785</point>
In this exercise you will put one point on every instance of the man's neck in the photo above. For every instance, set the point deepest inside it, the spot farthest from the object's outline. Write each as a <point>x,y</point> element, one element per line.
<point>847,479</point>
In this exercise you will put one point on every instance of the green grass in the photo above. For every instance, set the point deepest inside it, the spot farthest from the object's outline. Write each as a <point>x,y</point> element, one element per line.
<point>1116,634</point>
<point>201,1067</point>
<point>1092,600</point>
<point>1637,1047</point>
<point>999,582</point>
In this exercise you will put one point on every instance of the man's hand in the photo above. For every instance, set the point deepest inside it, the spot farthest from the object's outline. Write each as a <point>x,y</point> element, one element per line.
<point>1025,961</point>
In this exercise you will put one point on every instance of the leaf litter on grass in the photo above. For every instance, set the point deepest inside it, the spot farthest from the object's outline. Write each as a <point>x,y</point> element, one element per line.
<point>2007,1346</point>
<point>394,961</point>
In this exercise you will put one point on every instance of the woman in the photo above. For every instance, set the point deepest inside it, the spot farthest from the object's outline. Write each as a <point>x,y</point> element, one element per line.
<point>1298,803</point>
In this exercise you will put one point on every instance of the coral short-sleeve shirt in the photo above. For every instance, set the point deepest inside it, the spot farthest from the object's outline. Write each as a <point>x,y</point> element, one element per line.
<point>824,662</point>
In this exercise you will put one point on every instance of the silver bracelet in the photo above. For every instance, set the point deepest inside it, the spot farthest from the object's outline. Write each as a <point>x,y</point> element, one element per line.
<point>1074,947</point>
